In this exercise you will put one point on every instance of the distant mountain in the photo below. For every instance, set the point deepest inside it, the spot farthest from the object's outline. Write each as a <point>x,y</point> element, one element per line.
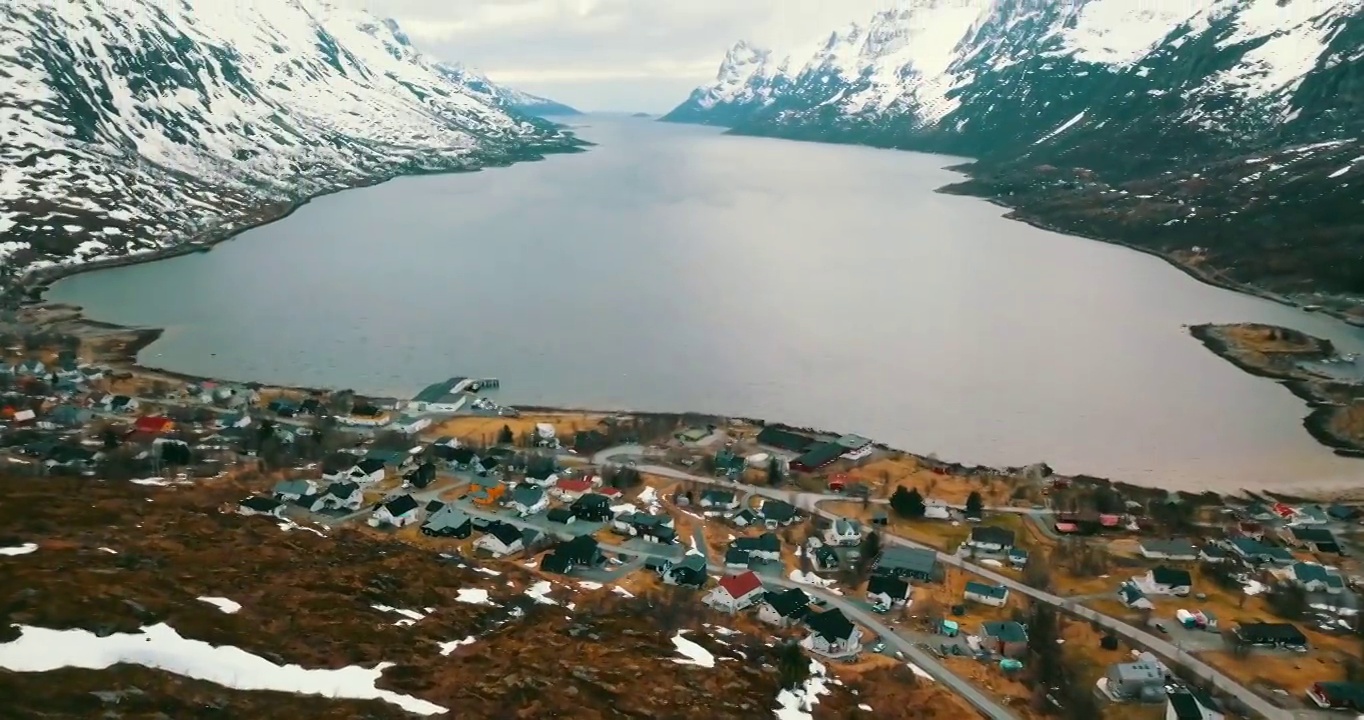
<point>505,96</point>
<point>136,125</point>
<point>1222,133</point>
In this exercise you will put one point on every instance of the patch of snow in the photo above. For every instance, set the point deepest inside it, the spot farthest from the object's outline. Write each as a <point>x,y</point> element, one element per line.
<point>991,562</point>
<point>160,647</point>
<point>448,647</point>
<point>1340,172</point>
<point>24,549</point>
<point>488,571</point>
<point>813,579</point>
<point>695,654</point>
<point>473,596</point>
<point>919,671</point>
<point>799,703</point>
<point>111,551</point>
<point>1064,127</point>
<point>1254,587</point>
<point>288,525</point>
<point>540,592</point>
<point>222,604</point>
<point>864,707</point>
<point>622,591</point>
<point>589,585</point>
<point>410,616</point>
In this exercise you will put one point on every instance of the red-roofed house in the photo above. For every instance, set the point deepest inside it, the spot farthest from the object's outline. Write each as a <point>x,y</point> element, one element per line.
<point>610,493</point>
<point>1067,528</point>
<point>570,489</point>
<point>736,592</point>
<point>154,424</point>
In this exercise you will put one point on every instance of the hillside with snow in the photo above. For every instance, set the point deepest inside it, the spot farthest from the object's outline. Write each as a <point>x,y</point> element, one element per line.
<point>505,96</point>
<point>1231,126</point>
<point>132,126</point>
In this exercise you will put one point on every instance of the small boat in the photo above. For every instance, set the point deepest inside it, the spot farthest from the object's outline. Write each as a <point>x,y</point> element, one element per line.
<point>1311,308</point>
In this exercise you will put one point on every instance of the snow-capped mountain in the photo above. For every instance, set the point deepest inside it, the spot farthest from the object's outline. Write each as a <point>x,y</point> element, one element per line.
<point>1103,94</point>
<point>134,125</point>
<point>523,102</point>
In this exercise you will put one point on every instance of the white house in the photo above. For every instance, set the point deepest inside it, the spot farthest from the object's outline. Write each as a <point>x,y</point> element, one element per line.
<point>843,532</point>
<point>1165,581</point>
<point>442,397</point>
<point>1178,550</point>
<point>1314,577</point>
<point>832,635</point>
<point>937,510</point>
<point>542,478</point>
<point>290,490</point>
<point>411,425</point>
<point>500,539</point>
<point>785,608</point>
<point>528,499</point>
<point>365,472</point>
<point>736,592</point>
<point>986,594</point>
<point>887,592</point>
<point>989,540</point>
<point>398,512</point>
<point>545,435</point>
<point>339,496</point>
<point>261,506</point>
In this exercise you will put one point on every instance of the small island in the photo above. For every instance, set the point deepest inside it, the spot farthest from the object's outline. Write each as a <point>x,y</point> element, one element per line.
<point>1331,383</point>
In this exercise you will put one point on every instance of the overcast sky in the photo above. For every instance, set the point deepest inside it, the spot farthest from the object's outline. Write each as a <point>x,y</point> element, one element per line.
<point>610,54</point>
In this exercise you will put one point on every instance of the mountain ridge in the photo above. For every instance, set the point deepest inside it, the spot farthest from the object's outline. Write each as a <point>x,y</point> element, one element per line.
<point>1075,111</point>
<point>142,126</point>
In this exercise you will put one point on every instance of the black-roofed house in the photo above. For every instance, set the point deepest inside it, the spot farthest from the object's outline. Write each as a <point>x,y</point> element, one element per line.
<point>690,571</point>
<point>780,439</point>
<point>367,471</point>
<point>1165,581</point>
<point>1178,550</point>
<point>448,521</point>
<point>986,593</point>
<point>1315,577</point>
<point>832,635</point>
<point>784,608</point>
<point>592,508</point>
<point>1316,539</point>
<point>988,540</point>
<point>778,513</point>
<point>400,511</point>
<point>261,506</point>
<point>561,515</point>
<point>745,518</point>
<point>421,476</point>
<point>339,496</point>
<point>557,564</point>
<point>500,539</point>
<point>457,458</point>
<point>1007,638</point>
<point>583,550</point>
<point>1280,635</point>
<point>888,592</point>
<point>292,490</point>
<point>817,456</point>
<point>528,499</point>
<point>1133,597</point>
<point>1338,695</point>
<point>905,562</point>
<point>1187,704</point>
<point>824,558</point>
<point>722,500</point>
<point>736,559</point>
<point>765,547</point>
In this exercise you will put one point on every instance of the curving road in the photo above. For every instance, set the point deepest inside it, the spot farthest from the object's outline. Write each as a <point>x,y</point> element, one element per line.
<point>1156,644</point>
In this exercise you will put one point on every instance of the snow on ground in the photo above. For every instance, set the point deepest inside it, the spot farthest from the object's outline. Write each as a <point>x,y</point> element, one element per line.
<point>798,703</point>
<point>1254,587</point>
<point>695,654</point>
<point>111,551</point>
<point>160,647</point>
<point>540,592</point>
<point>992,562</point>
<point>813,579</point>
<point>919,671</point>
<point>488,571</point>
<point>223,604</point>
<point>622,591</point>
<point>691,539</point>
<point>721,630</point>
<point>589,585</point>
<point>288,525</point>
<point>412,616</point>
<point>448,647</point>
<point>623,508</point>
<point>24,549</point>
<point>649,496</point>
<point>864,707</point>
<point>473,596</point>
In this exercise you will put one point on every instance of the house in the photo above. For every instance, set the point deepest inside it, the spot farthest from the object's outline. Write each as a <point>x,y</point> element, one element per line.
<point>489,465</point>
<point>1165,581</point>
<point>722,500</point>
<point>544,476</point>
<point>401,511</point>
<point>1310,515</point>
<point>1132,597</point>
<point>32,367</point>
<point>988,540</point>
<point>570,489</point>
<point>528,499</point>
<point>1257,552</point>
<point>120,403</point>
<point>1278,635</point>
<point>935,509</point>
<point>657,564</point>
<point>736,592</point>
<point>819,455</point>
<point>545,435</point>
<point>765,547</point>
<point>1314,577</point>
<point>905,562</point>
<point>447,396</point>
<point>366,472</point>
<point>778,513</point>
<point>1338,695</point>
<point>560,515</point>
<point>1342,513</point>
<point>689,571</point>
<point>1213,553</point>
<point>736,559</point>
<point>1140,681</point>
<point>485,491</point>
<point>855,447</point>
<point>832,634</point>
<point>292,490</point>
<point>843,532</point>
<point>593,507</point>
<point>1018,557</point>
<point>775,437</point>
<point>824,558</point>
<point>1177,550</point>
<point>339,496</point>
<point>730,464</point>
<point>282,408</point>
<point>986,594</point>
<point>1007,638</point>
<point>785,608</point>
<point>745,518</point>
<point>1316,539</point>
<point>458,458</point>
<point>311,406</point>
<point>448,521</point>
<point>887,592</point>
<point>261,506</point>
<point>501,539</point>
<point>69,416</point>
<point>581,551</point>
<point>420,476</point>
<point>398,459</point>
<point>1187,704</point>
<point>411,425</point>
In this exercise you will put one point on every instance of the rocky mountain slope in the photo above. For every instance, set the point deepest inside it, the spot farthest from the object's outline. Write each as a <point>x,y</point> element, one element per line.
<point>508,97</point>
<point>1227,131</point>
<point>137,125</point>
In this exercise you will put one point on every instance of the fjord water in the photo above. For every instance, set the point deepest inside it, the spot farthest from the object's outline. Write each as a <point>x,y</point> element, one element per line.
<point>676,268</point>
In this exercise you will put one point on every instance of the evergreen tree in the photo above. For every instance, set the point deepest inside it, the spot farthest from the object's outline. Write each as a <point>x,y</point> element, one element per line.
<point>774,476</point>
<point>975,506</point>
<point>505,436</point>
<point>792,666</point>
<point>907,503</point>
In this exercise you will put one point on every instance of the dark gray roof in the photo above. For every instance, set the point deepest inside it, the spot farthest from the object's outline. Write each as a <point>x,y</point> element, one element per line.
<point>505,532</point>
<point>1172,577</point>
<point>401,504</point>
<point>778,510</point>
<point>992,535</point>
<point>527,495</point>
<point>736,556</point>
<point>448,517</point>
<point>1008,631</point>
<point>261,504</point>
<point>1176,547</point>
<point>894,587</point>
<point>789,603</point>
<point>897,557</point>
<point>832,625</point>
<point>986,589</point>
<point>767,542</point>
<point>438,392</point>
<point>342,490</point>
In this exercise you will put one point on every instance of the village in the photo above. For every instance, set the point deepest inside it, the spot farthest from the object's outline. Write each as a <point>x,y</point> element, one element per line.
<point>1019,589</point>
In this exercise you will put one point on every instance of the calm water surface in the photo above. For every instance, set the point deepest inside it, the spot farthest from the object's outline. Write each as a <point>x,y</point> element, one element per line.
<point>674,268</point>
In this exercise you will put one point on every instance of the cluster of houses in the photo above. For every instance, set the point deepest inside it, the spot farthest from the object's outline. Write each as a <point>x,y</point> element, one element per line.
<point>1148,680</point>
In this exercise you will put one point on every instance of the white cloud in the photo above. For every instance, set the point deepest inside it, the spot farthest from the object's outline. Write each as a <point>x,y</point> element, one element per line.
<point>577,51</point>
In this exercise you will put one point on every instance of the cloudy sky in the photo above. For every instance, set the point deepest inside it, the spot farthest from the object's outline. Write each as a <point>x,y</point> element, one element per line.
<point>610,54</point>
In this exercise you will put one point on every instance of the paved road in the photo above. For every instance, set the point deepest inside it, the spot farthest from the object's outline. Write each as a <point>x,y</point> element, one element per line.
<point>1141,638</point>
